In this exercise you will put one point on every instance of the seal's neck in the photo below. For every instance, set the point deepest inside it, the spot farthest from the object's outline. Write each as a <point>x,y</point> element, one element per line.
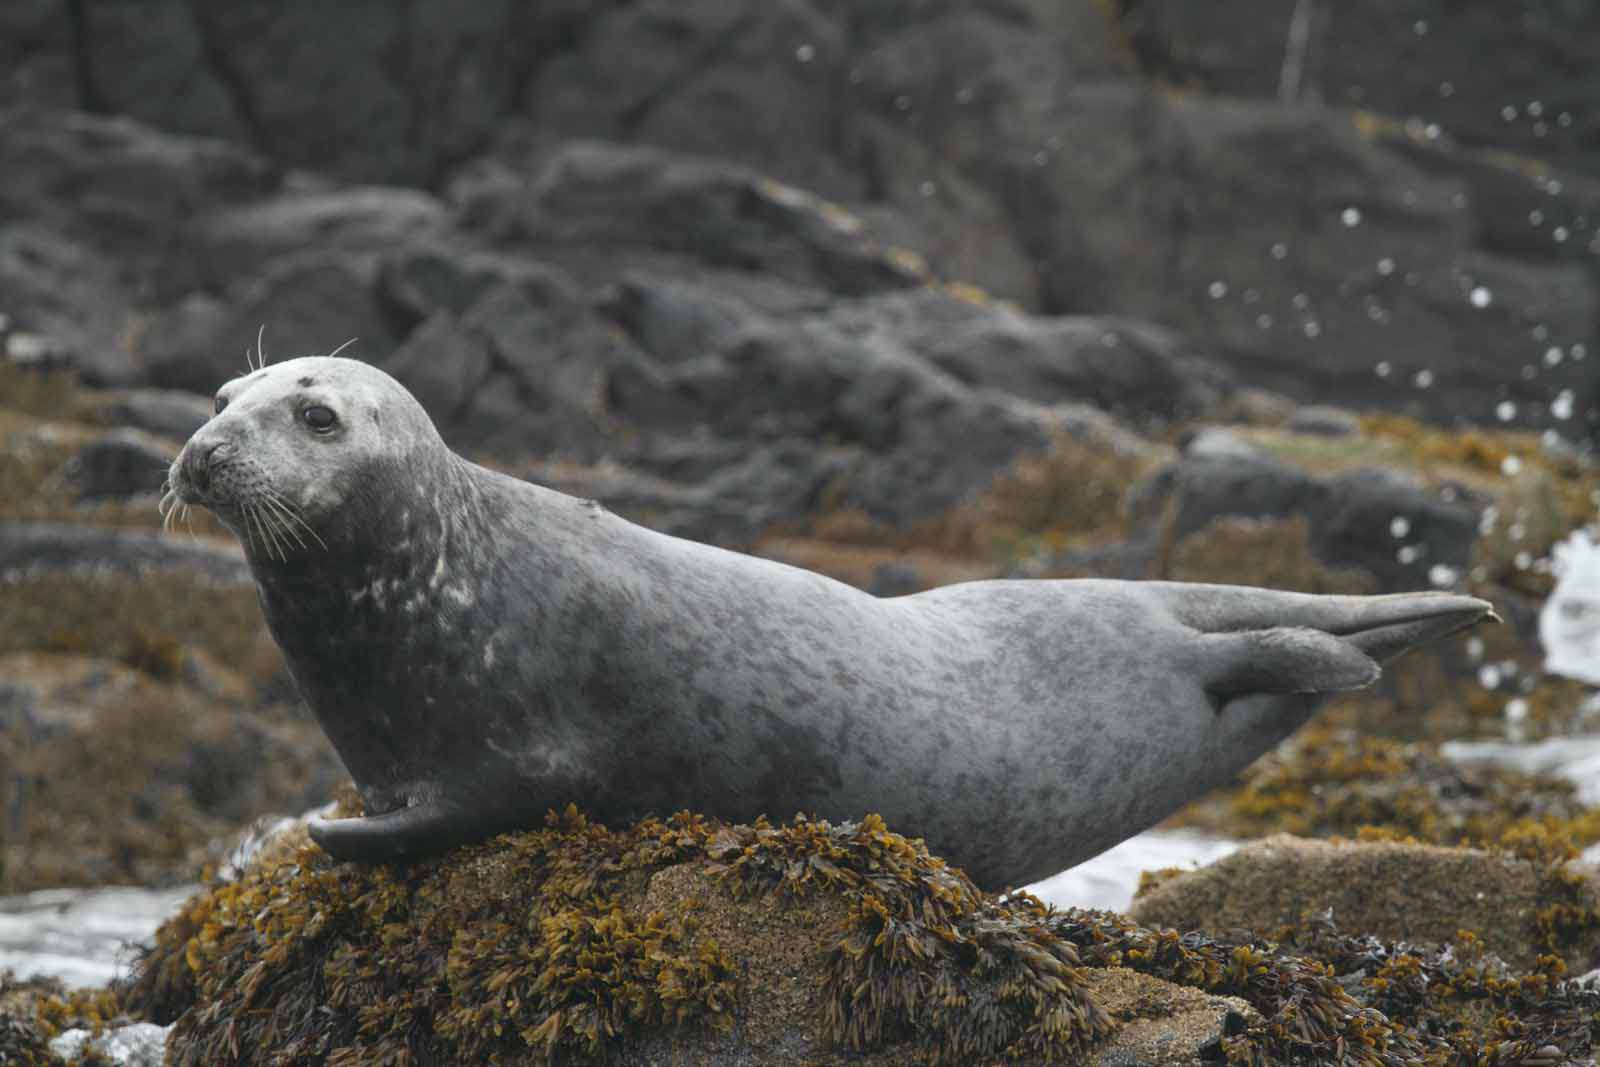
<point>396,530</point>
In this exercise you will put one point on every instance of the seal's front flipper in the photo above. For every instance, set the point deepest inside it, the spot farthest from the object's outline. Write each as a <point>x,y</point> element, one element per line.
<point>1283,660</point>
<point>408,832</point>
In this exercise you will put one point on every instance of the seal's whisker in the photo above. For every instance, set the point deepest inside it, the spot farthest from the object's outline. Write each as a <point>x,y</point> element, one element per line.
<point>293,513</point>
<point>274,508</point>
<point>341,348</point>
<point>261,348</point>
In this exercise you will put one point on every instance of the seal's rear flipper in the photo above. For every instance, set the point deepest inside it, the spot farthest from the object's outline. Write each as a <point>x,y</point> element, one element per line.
<point>1284,660</point>
<point>1319,644</point>
<point>413,831</point>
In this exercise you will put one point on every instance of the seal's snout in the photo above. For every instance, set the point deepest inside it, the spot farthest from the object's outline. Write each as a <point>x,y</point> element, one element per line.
<point>199,461</point>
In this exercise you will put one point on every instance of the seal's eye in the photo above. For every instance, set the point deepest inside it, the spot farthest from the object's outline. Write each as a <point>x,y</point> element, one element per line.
<point>319,418</point>
<point>222,402</point>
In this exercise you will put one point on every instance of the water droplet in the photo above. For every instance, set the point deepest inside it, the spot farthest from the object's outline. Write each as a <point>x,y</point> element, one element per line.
<point>1536,108</point>
<point>1561,406</point>
<point>1109,340</point>
<point>965,94</point>
<point>1529,372</point>
<point>1280,250</point>
<point>1516,531</point>
<point>1041,157</point>
<point>1442,575</point>
<point>902,103</point>
<point>1480,296</point>
<point>1217,290</point>
<point>1552,356</point>
<point>1516,710</point>
<point>1561,233</point>
<point>1420,27</point>
<point>1252,296</point>
<point>1489,676</point>
<point>1510,466</point>
<point>1263,322</point>
<point>1579,351</point>
<point>1508,112</point>
<point>1475,647</point>
<point>1540,129</point>
<point>1564,119</point>
<point>1505,411</point>
<point>1522,560</point>
<point>1423,378</point>
<point>1536,217</point>
<point>926,189</point>
<point>1383,369</point>
<point>1301,301</point>
<point>1448,494</point>
<point>1313,328</point>
<point>1432,131</point>
<point>1446,89</point>
<point>806,53</point>
<point>1350,216</point>
<point>1386,266</point>
<point>1409,554</point>
<point>1399,526</point>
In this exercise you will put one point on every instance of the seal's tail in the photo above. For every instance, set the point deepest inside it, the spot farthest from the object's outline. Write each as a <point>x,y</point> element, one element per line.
<point>1262,641</point>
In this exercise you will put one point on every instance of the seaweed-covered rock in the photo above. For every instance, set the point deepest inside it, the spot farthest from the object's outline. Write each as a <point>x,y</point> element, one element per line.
<point>747,944</point>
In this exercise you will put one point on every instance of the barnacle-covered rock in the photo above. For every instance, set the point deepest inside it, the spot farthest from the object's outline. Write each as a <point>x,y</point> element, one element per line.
<point>1521,906</point>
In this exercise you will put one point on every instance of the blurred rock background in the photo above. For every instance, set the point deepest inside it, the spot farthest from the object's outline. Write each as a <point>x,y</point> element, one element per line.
<point>1297,294</point>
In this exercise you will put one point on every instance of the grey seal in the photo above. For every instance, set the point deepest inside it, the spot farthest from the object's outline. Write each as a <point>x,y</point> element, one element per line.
<point>480,650</point>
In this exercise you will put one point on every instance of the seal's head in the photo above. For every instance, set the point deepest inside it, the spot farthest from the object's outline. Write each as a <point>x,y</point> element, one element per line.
<point>292,445</point>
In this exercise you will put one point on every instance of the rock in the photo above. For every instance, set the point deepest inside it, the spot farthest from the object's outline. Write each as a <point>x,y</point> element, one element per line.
<point>298,305</point>
<point>595,199</point>
<point>236,241</point>
<point>120,464</point>
<point>1324,421</point>
<point>170,413</point>
<point>1130,369</point>
<point>1397,892</point>
<point>1421,62</point>
<point>41,547</point>
<point>133,1045</point>
<point>1373,519</point>
<point>69,298</point>
<point>1163,1025</point>
<point>123,189</point>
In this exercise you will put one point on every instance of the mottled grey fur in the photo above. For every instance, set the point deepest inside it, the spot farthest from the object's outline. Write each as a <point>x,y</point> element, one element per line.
<point>481,650</point>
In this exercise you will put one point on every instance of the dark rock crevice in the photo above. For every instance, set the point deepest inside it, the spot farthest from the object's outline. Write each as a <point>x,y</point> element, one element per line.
<point>234,82</point>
